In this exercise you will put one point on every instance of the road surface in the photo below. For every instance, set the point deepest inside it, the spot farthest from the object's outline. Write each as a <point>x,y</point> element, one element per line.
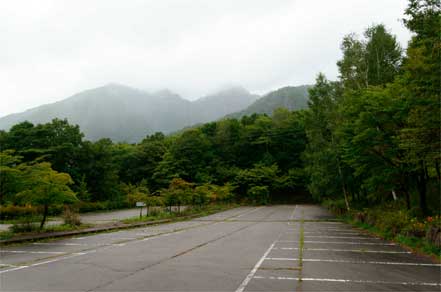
<point>243,249</point>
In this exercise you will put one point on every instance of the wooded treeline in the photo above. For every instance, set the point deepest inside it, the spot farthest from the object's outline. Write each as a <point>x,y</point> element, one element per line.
<point>368,138</point>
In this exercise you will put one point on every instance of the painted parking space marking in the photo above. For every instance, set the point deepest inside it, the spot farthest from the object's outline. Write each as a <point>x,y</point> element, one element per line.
<point>345,250</point>
<point>351,281</point>
<point>60,244</point>
<point>356,262</point>
<point>350,243</point>
<point>339,232</point>
<point>48,262</point>
<point>254,270</point>
<point>293,213</point>
<point>32,252</point>
<point>248,212</point>
<point>14,269</point>
<point>343,237</point>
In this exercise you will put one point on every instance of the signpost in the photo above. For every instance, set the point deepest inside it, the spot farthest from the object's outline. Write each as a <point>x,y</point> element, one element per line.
<point>140,205</point>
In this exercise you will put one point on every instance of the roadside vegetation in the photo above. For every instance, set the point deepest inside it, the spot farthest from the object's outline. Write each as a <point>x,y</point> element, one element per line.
<point>368,146</point>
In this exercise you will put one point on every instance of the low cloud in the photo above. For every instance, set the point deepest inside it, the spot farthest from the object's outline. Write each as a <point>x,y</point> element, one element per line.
<point>52,49</point>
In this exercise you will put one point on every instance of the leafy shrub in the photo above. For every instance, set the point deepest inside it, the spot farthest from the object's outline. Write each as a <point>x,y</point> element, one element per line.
<point>336,206</point>
<point>433,230</point>
<point>25,224</point>
<point>14,212</point>
<point>21,228</point>
<point>393,222</point>
<point>258,195</point>
<point>155,212</point>
<point>71,217</point>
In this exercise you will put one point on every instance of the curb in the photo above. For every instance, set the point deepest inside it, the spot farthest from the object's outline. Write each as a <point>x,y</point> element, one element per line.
<point>119,226</point>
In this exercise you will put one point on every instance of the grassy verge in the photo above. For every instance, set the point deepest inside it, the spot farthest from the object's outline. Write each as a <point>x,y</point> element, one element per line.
<point>415,244</point>
<point>155,215</point>
<point>34,231</point>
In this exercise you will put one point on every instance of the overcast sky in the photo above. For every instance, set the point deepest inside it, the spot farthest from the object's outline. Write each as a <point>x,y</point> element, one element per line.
<point>50,50</point>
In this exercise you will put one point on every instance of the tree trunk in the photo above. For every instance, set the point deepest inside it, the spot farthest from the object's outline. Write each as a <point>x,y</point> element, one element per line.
<point>394,195</point>
<point>407,199</point>
<point>346,197</point>
<point>343,186</point>
<point>438,174</point>
<point>422,190</point>
<point>405,190</point>
<point>45,212</point>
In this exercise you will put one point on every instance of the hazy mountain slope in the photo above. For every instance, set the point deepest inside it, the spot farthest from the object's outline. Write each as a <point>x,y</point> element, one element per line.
<point>290,97</point>
<point>217,105</point>
<point>126,114</point>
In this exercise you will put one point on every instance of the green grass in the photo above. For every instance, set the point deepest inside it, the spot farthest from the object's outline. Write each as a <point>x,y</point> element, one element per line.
<point>301,243</point>
<point>157,216</point>
<point>418,245</point>
<point>6,234</point>
<point>176,216</point>
<point>48,229</point>
<point>20,220</point>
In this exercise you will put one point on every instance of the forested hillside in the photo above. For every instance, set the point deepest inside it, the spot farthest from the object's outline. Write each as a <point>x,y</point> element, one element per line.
<point>290,97</point>
<point>126,114</point>
<point>370,139</point>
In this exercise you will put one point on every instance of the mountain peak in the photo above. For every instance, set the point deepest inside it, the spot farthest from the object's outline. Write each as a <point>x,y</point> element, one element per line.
<point>124,113</point>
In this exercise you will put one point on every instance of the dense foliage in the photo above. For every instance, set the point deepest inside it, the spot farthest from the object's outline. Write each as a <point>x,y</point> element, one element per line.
<point>374,135</point>
<point>369,138</point>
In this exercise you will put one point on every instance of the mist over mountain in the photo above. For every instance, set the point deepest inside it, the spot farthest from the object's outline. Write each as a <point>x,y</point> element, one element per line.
<point>127,114</point>
<point>290,97</point>
<point>222,103</point>
<point>123,113</point>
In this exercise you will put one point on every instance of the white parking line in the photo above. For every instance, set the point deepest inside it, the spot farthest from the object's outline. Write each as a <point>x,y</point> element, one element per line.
<point>293,212</point>
<point>345,250</point>
<point>48,262</point>
<point>254,270</point>
<point>13,269</point>
<point>324,222</point>
<point>32,252</point>
<point>356,262</point>
<point>60,243</point>
<point>343,237</point>
<point>246,213</point>
<point>339,232</point>
<point>350,242</point>
<point>123,238</point>
<point>351,281</point>
<point>333,229</point>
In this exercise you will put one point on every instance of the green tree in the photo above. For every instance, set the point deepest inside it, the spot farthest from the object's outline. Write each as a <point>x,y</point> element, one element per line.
<point>45,187</point>
<point>374,60</point>
<point>11,177</point>
<point>101,171</point>
<point>420,137</point>
<point>258,195</point>
<point>383,55</point>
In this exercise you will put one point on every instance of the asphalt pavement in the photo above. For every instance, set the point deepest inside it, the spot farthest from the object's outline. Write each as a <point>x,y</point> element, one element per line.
<point>275,248</point>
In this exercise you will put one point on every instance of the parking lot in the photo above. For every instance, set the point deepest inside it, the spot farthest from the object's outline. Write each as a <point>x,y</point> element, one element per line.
<point>276,248</point>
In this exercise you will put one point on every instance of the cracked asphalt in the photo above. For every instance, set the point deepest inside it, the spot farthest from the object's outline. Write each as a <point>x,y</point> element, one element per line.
<point>275,248</point>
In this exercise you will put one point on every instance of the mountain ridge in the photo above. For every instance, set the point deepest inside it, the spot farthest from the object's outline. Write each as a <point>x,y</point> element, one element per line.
<point>123,113</point>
